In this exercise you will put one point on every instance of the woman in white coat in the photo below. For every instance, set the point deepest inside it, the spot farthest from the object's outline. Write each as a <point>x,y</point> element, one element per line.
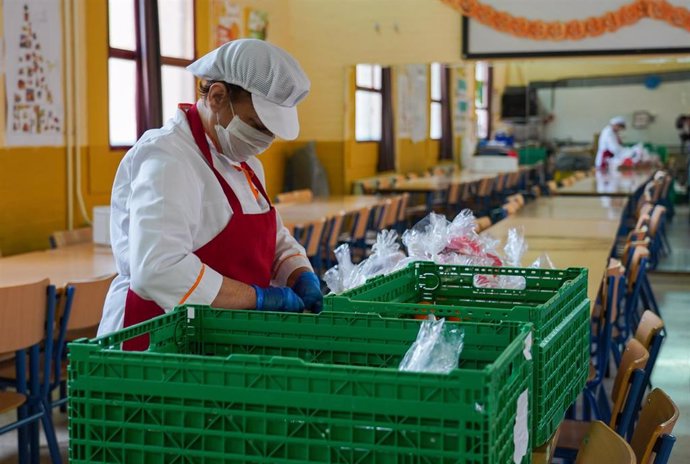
<point>610,144</point>
<point>190,218</point>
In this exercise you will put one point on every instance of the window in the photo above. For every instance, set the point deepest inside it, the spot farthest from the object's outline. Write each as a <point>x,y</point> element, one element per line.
<point>482,98</point>
<point>368,103</point>
<point>146,62</point>
<point>435,118</point>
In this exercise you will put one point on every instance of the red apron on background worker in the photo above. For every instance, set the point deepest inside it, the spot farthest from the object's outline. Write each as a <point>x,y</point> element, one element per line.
<point>190,218</point>
<point>610,144</point>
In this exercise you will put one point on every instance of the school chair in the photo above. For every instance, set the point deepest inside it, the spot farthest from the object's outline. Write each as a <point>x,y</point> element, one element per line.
<point>310,237</point>
<point>452,206</point>
<point>26,322</point>
<point>78,314</point>
<point>64,238</point>
<point>603,320</point>
<point>333,228</point>
<point>652,441</point>
<point>359,221</point>
<point>626,396</point>
<point>601,444</point>
<point>552,188</point>
<point>295,196</point>
<point>483,223</point>
<point>401,218</point>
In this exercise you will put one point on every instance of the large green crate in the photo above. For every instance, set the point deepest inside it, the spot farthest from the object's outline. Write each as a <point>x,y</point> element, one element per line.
<point>554,300</point>
<point>246,386</point>
<point>531,155</point>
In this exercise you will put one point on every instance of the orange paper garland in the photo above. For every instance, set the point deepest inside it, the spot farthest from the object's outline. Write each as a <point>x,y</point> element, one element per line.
<point>576,29</point>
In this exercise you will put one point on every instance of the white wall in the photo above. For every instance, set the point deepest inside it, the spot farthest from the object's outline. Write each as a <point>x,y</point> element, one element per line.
<point>580,112</point>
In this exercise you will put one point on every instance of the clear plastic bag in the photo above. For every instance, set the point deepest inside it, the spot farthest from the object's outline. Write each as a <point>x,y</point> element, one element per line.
<point>543,262</point>
<point>437,348</point>
<point>426,239</point>
<point>384,258</point>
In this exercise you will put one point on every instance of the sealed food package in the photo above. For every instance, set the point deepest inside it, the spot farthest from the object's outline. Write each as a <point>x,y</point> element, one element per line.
<point>437,348</point>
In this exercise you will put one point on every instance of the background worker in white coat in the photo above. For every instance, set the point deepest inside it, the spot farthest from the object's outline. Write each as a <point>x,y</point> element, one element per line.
<point>610,144</point>
<point>190,218</point>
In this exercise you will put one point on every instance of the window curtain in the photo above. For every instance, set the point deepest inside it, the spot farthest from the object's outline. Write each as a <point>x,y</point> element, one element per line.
<point>387,144</point>
<point>446,145</point>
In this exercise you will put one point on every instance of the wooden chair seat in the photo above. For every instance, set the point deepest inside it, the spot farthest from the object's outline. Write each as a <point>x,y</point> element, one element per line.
<point>9,401</point>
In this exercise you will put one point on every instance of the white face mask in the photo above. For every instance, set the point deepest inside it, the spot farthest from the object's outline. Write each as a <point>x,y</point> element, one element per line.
<point>239,140</point>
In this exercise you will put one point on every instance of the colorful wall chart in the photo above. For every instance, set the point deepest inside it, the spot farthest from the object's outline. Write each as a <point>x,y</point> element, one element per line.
<point>227,18</point>
<point>33,83</point>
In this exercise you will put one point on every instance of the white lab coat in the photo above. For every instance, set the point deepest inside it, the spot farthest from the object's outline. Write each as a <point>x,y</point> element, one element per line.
<point>165,204</point>
<point>608,140</point>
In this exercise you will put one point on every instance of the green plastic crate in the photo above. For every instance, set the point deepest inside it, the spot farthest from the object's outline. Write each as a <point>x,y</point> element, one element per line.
<point>554,300</point>
<point>246,386</point>
<point>531,155</point>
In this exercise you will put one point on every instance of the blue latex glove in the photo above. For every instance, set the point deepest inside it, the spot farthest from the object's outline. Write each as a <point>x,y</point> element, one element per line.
<point>282,299</point>
<point>308,287</point>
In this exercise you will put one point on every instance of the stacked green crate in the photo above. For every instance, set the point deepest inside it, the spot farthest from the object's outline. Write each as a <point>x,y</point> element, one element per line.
<point>221,386</point>
<point>555,301</point>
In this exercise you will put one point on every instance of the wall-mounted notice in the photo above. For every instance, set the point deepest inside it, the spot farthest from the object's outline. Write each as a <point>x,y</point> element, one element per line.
<point>257,23</point>
<point>226,18</point>
<point>33,83</point>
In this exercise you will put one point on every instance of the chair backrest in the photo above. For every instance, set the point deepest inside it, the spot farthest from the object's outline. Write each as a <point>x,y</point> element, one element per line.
<point>391,212</point>
<point>23,315</point>
<point>483,222</point>
<point>311,238</point>
<point>603,445</point>
<point>553,187</point>
<point>649,327</point>
<point>63,238</point>
<point>404,201</point>
<point>634,357</point>
<point>484,187</point>
<point>580,175</point>
<point>333,228</point>
<point>644,208</point>
<point>655,219</point>
<point>83,306</point>
<point>361,222</point>
<point>412,175</point>
<point>453,193</point>
<point>657,418</point>
<point>296,196</point>
<point>635,265</point>
<point>511,207</point>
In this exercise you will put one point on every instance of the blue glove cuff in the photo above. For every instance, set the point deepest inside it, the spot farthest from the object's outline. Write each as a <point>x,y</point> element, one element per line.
<point>305,277</point>
<point>259,297</point>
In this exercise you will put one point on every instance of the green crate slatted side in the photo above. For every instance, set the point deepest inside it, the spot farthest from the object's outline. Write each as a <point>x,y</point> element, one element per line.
<point>550,300</point>
<point>561,366</point>
<point>550,295</point>
<point>292,388</point>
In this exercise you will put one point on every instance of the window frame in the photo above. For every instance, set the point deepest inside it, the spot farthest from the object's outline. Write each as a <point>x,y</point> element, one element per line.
<point>137,56</point>
<point>488,92</point>
<point>440,101</point>
<point>374,90</point>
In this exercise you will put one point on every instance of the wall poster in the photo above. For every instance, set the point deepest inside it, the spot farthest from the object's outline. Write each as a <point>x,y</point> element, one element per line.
<point>33,81</point>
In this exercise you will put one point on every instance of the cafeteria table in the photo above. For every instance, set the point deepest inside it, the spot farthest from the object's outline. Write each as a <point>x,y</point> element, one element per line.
<point>617,183</point>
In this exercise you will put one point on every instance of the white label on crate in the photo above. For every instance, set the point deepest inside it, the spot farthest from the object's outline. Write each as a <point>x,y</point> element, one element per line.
<point>521,429</point>
<point>528,347</point>
<point>190,313</point>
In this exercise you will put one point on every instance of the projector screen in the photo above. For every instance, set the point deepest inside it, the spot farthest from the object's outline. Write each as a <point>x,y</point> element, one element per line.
<point>648,36</point>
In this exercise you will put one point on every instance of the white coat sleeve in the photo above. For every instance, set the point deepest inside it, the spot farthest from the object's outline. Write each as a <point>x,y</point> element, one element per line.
<point>164,214</point>
<point>290,255</point>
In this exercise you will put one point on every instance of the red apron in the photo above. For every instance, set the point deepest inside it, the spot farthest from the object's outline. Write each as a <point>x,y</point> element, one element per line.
<point>243,250</point>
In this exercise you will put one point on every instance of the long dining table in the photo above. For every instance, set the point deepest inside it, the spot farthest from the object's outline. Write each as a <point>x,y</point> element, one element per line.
<point>297,214</point>
<point>615,183</point>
